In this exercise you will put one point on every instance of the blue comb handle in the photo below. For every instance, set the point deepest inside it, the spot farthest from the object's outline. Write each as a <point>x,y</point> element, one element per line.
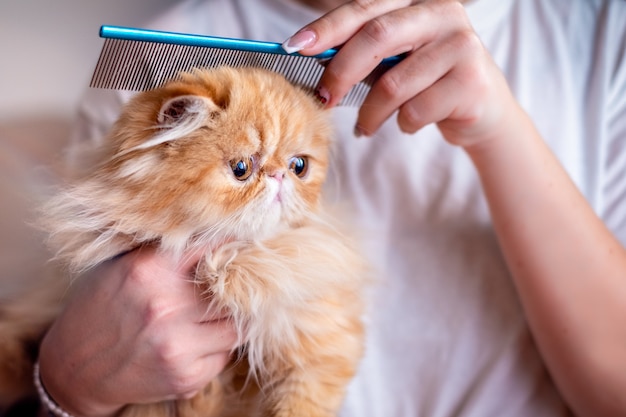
<point>145,35</point>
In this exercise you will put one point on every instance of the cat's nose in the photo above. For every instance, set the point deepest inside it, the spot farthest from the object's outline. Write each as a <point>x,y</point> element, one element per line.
<point>277,175</point>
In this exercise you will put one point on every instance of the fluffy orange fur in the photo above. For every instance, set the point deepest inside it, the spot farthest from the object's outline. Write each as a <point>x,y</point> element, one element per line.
<point>232,161</point>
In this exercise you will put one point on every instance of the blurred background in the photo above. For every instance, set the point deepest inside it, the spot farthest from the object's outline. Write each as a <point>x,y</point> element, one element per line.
<point>48,50</point>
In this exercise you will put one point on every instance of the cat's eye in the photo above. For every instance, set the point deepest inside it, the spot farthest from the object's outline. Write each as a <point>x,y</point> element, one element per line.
<point>242,168</point>
<point>299,165</point>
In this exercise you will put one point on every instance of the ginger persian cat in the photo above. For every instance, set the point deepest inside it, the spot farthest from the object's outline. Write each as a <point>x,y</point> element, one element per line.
<point>233,161</point>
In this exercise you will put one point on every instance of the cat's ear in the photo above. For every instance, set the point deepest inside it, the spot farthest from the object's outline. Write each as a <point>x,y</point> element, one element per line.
<point>185,110</point>
<point>178,117</point>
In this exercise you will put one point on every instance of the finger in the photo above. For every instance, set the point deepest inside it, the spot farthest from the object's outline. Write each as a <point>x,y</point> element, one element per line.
<point>153,263</point>
<point>188,395</point>
<point>186,381</point>
<point>183,264</point>
<point>337,26</point>
<point>215,364</point>
<point>222,336</point>
<point>190,351</point>
<point>379,38</point>
<point>459,101</point>
<point>190,259</point>
<point>161,287</point>
<point>400,31</point>
<point>417,72</point>
<point>207,368</point>
<point>205,339</point>
<point>433,105</point>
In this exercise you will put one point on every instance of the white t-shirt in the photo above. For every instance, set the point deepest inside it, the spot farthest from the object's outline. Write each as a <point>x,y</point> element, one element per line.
<point>447,335</point>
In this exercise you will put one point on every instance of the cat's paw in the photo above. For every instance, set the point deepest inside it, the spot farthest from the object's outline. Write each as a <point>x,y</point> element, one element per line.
<point>214,266</point>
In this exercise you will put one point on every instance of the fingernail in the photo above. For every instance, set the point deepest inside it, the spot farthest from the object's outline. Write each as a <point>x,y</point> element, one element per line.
<point>359,132</point>
<point>299,41</point>
<point>322,95</point>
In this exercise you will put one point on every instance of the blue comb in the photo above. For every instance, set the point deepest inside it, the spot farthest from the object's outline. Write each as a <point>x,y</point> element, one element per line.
<point>140,59</point>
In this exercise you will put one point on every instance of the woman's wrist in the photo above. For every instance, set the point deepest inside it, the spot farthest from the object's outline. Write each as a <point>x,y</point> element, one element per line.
<point>48,404</point>
<point>62,358</point>
<point>513,130</point>
<point>55,408</point>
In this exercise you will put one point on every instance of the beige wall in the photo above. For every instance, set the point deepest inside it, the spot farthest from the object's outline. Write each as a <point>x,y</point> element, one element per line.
<point>48,49</point>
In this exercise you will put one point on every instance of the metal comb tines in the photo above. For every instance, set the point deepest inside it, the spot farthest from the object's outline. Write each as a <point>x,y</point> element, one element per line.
<point>139,59</point>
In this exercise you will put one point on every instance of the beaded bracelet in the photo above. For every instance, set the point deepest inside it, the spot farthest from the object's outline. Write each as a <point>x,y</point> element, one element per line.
<point>52,407</point>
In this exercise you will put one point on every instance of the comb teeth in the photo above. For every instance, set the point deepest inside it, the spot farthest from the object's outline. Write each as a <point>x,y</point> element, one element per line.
<point>140,65</point>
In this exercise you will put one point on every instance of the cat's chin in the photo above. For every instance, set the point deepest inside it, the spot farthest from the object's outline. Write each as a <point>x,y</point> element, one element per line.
<point>270,224</point>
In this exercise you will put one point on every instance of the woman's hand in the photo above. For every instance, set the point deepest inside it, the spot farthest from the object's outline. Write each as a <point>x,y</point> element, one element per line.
<point>567,266</point>
<point>446,77</point>
<point>135,331</point>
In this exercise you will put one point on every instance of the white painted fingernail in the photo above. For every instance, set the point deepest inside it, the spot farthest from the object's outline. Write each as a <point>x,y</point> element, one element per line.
<point>299,41</point>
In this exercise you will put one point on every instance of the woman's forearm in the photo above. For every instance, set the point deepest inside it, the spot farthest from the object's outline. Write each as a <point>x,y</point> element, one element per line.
<point>569,270</point>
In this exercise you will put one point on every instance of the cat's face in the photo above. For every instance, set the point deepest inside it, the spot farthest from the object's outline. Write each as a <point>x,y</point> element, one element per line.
<point>226,153</point>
